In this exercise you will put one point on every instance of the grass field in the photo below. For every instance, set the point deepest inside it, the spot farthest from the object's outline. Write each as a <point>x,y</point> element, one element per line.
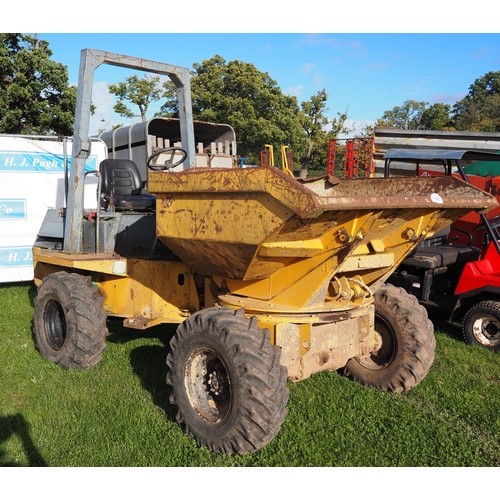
<point>118,413</point>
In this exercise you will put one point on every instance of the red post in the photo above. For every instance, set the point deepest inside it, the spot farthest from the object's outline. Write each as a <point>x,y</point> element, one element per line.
<point>330,164</point>
<point>349,158</point>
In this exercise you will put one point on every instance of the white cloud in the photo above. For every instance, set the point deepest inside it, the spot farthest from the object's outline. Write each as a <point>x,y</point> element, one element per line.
<point>320,79</point>
<point>319,39</point>
<point>308,67</point>
<point>377,66</point>
<point>295,91</point>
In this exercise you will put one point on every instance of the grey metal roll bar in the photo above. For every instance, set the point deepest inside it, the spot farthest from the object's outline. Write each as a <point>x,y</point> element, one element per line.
<point>90,60</point>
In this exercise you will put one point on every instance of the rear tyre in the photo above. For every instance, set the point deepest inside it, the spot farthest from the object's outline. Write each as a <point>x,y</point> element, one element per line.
<point>227,381</point>
<point>481,325</point>
<point>407,344</point>
<point>69,321</point>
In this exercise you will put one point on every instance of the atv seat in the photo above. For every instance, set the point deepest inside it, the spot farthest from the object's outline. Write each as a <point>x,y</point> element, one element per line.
<point>437,256</point>
<point>436,252</point>
<point>121,178</point>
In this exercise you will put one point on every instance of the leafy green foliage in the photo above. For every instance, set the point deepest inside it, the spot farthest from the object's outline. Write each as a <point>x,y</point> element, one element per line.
<point>118,413</point>
<point>248,100</point>
<point>314,122</point>
<point>437,117</point>
<point>251,102</point>
<point>407,117</point>
<point>140,92</point>
<point>479,110</point>
<point>414,115</point>
<point>35,97</point>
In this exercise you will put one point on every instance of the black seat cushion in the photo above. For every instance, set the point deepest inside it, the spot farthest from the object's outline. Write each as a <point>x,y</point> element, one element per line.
<point>435,256</point>
<point>122,178</point>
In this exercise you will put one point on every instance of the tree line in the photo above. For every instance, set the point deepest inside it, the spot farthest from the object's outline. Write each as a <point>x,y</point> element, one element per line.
<point>478,111</point>
<point>36,98</point>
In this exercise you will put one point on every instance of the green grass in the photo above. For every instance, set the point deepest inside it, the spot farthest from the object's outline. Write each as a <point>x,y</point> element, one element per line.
<point>118,413</point>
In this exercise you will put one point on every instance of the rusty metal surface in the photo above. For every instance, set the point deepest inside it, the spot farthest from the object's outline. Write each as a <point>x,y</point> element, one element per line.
<point>266,236</point>
<point>310,198</point>
<point>387,138</point>
<point>309,348</point>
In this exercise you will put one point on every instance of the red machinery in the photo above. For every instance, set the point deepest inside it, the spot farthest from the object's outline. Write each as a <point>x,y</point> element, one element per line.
<point>355,157</point>
<point>460,280</point>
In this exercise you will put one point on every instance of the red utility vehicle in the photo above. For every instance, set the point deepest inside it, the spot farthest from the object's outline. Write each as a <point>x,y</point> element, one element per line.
<point>461,281</point>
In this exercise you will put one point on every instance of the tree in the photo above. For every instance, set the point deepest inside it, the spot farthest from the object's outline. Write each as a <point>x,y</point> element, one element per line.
<point>437,117</point>
<point>140,92</point>
<point>407,117</point>
<point>250,101</point>
<point>479,110</point>
<point>35,97</point>
<point>314,122</point>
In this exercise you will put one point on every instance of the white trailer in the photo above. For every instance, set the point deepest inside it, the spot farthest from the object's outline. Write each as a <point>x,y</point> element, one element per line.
<point>32,180</point>
<point>215,143</point>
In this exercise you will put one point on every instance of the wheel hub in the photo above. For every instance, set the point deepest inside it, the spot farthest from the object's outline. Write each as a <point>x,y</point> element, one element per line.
<point>208,386</point>
<point>55,325</point>
<point>384,348</point>
<point>217,382</point>
<point>487,330</point>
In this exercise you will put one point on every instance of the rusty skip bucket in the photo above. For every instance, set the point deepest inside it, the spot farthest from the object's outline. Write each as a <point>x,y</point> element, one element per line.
<point>263,234</point>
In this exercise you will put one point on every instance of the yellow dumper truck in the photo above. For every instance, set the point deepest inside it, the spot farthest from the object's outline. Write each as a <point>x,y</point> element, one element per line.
<point>269,277</point>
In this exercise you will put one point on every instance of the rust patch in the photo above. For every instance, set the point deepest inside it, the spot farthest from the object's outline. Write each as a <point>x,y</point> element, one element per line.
<point>324,357</point>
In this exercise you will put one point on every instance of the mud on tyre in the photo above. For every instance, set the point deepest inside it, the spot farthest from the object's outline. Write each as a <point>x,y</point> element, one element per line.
<point>407,350</point>
<point>227,381</point>
<point>69,321</point>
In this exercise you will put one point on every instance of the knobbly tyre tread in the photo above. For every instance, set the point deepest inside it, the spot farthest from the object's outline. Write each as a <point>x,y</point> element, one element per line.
<point>415,343</point>
<point>85,320</point>
<point>257,378</point>
<point>486,307</point>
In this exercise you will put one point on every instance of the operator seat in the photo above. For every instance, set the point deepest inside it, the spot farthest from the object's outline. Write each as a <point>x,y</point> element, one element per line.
<point>436,252</point>
<point>121,178</point>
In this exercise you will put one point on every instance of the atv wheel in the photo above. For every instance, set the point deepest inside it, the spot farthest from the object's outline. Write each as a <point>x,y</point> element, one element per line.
<point>69,321</point>
<point>481,325</point>
<point>407,350</point>
<point>227,381</point>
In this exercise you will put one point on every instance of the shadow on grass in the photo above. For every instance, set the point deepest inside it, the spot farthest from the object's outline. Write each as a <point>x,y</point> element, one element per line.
<point>149,362</point>
<point>118,334</point>
<point>16,425</point>
<point>452,330</point>
<point>32,294</point>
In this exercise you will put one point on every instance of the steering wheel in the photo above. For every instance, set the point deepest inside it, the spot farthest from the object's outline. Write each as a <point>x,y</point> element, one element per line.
<point>494,222</point>
<point>168,164</point>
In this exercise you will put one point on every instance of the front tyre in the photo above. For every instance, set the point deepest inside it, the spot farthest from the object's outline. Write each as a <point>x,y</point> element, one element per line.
<point>407,344</point>
<point>481,325</point>
<point>69,321</point>
<point>227,381</point>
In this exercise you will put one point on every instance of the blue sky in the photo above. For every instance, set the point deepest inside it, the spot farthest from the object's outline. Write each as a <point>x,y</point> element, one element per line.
<point>366,73</point>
